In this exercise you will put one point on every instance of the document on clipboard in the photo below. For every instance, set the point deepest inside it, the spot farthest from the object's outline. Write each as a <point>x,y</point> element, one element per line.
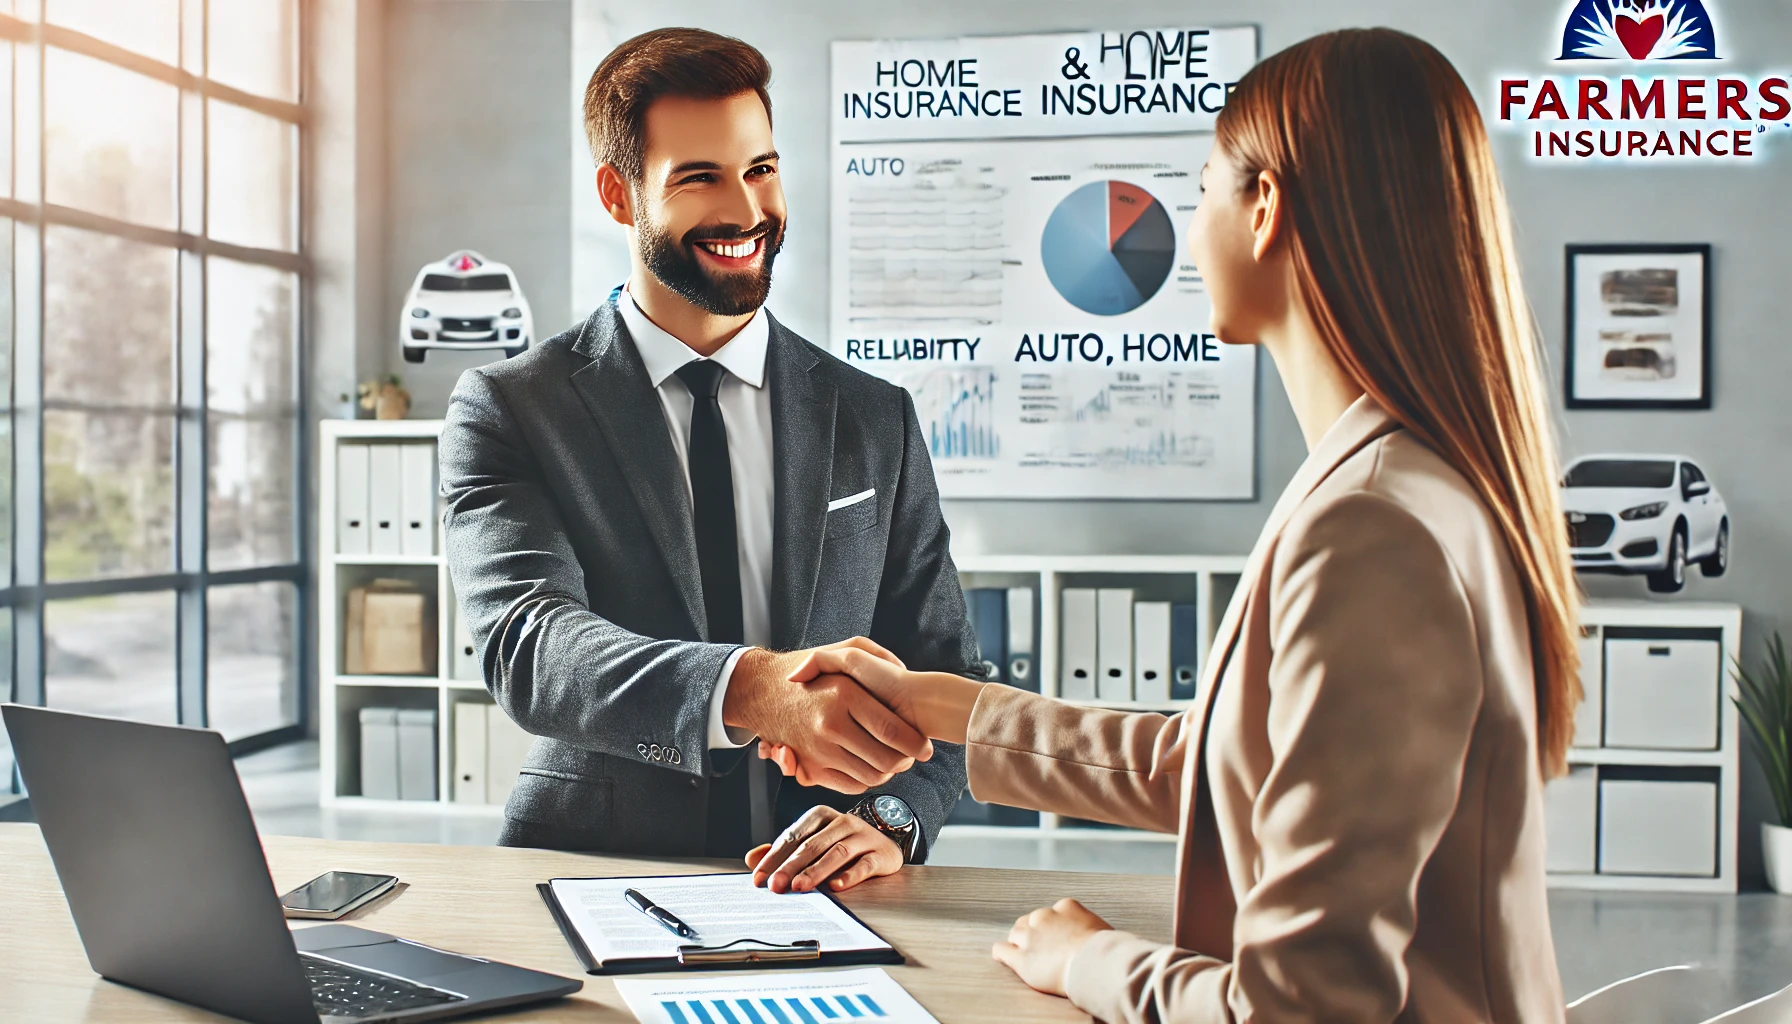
<point>737,923</point>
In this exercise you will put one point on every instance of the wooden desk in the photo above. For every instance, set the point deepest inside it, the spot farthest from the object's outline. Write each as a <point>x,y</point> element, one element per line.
<point>482,901</point>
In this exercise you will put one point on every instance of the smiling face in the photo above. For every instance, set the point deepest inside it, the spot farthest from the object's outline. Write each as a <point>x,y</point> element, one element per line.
<point>709,208</point>
<point>1246,278</point>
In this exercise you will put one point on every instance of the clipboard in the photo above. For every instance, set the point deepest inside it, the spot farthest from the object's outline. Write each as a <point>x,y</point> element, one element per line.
<point>741,954</point>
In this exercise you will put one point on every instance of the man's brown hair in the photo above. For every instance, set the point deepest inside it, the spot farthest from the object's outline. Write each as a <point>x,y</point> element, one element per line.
<point>688,62</point>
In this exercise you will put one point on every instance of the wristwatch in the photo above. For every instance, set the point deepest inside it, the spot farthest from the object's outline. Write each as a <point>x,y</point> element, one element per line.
<point>891,816</point>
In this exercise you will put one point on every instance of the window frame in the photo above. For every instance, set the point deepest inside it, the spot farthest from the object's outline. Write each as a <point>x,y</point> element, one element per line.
<point>24,600</point>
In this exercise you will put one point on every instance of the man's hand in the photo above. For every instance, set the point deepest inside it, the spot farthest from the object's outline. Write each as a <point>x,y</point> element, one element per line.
<point>1040,945</point>
<point>883,678</point>
<point>845,739</point>
<point>827,846</point>
<point>887,679</point>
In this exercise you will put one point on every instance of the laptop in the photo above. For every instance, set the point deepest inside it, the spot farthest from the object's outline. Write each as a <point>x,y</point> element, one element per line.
<point>164,874</point>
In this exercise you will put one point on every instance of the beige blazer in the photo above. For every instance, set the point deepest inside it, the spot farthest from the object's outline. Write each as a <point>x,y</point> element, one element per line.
<point>1356,789</point>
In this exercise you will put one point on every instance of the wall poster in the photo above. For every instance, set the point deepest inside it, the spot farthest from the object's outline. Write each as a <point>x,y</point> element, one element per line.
<point>1008,222</point>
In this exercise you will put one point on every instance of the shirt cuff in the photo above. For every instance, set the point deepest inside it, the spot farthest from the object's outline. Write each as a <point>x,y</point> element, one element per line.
<point>724,737</point>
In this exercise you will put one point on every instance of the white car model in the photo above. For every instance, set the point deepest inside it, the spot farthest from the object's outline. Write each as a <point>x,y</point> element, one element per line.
<point>465,302</point>
<point>1645,514</point>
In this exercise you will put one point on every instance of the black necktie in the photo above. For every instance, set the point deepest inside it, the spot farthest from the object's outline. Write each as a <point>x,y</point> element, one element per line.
<point>739,814</point>
<point>712,503</point>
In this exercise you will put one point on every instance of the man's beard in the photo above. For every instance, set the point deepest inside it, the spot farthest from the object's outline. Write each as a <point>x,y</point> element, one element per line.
<point>676,263</point>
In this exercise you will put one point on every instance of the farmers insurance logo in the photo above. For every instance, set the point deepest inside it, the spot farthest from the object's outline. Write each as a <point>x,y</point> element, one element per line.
<point>1638,30</point>
<point>1636,114</point>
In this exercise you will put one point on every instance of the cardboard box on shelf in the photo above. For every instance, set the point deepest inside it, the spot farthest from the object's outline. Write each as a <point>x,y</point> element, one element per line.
<point>389,630</point>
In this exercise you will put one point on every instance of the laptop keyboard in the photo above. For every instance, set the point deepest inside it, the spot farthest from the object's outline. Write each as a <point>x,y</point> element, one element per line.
<point>346,992</point>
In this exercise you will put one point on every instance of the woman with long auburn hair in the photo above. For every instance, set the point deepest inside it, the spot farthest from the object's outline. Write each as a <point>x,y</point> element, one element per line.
<point>1358,788</point>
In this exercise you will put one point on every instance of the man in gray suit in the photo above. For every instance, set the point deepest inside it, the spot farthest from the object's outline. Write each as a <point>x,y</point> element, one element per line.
<point>652,518</point>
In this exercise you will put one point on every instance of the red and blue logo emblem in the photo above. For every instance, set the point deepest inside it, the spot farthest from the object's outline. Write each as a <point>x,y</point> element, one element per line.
<point>1639,30</point>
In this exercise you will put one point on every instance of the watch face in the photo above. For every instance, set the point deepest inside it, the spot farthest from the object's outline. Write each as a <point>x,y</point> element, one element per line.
<point>892,811</point>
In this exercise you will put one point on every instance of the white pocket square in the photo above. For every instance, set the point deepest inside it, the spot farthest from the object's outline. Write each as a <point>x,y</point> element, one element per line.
<point>852,499</point>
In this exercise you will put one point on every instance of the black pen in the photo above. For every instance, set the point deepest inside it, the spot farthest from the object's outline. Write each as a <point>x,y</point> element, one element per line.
<point>665,917</point>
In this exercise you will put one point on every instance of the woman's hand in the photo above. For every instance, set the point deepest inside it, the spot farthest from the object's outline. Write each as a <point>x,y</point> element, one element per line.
<point>937,704</point>
<point>883,677</point>
<point>1040,945</point>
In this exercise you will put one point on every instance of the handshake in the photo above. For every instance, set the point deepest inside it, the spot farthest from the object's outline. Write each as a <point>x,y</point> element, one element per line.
<point>841,716</point>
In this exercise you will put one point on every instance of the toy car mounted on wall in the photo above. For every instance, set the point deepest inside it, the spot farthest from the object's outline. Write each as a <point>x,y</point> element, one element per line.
<point>1645,514</point>
<point>465,302</point>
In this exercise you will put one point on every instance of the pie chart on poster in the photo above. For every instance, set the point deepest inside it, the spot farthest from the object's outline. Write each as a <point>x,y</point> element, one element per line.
<point>1108,247</point>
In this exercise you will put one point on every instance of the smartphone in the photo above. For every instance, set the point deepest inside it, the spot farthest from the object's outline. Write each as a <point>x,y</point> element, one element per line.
<point>335,893</point>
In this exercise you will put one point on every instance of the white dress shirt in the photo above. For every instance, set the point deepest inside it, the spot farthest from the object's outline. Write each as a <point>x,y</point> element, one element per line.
<point>746,401</point>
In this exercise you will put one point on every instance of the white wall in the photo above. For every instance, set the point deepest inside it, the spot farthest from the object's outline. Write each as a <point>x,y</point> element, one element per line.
<point>476,147</point>
<point>521,198</point>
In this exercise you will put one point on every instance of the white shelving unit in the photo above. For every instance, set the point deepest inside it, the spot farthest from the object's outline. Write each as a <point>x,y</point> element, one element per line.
<point>1665,622</point>
<point>1206,580</point>
<point>343,695</point>
<point>1210,581</point>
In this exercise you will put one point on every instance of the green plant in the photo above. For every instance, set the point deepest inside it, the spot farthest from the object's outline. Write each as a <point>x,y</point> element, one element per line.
<point>1765,701</point>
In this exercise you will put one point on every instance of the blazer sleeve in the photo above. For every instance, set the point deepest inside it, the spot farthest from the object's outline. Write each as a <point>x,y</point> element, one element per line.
<point>921,618</point>
<point>1026,750</point>
<point>557,668</point>
<point>1375,684</point>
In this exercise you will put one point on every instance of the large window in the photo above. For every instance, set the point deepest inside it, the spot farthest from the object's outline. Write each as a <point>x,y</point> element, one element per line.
<point>150,362</point>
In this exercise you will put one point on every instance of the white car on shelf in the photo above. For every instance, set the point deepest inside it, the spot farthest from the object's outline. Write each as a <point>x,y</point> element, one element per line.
<point>465,302</point>
<point>1650,514</point>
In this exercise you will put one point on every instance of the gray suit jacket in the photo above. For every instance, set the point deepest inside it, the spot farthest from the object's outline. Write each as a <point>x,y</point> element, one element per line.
<point>570,543</point>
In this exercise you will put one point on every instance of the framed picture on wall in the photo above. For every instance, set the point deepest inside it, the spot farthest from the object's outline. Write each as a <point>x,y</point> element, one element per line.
<point>1639,326</point>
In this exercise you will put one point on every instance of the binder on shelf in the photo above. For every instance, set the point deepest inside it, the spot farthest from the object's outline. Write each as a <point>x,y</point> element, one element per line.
<point>989,620</point>
<point>1076,678</point>
<point>469,753</point>
<point>1151,651</point>
<point>417,501</point>
<point>465,661</point>
<point>1113,643</point>
<point>351,499</point>
<point>1184,673</point>
<point>379,753</point>
<point>1013,817</point>
<point>506,746</point>
<point>1021,665</point>
<point>385,507</point>
<point>417,753</point>
<point>968,811</point>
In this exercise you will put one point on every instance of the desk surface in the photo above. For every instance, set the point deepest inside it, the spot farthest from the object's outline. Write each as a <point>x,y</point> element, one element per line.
<point>482,901</point>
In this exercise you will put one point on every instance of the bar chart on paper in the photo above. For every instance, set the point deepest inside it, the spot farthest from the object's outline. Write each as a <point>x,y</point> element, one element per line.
<point>868,996</point>
<point>771,1011</point>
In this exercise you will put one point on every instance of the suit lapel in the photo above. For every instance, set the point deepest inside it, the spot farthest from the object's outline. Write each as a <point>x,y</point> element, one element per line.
<point>803,409</point>
<point>617,392</point>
